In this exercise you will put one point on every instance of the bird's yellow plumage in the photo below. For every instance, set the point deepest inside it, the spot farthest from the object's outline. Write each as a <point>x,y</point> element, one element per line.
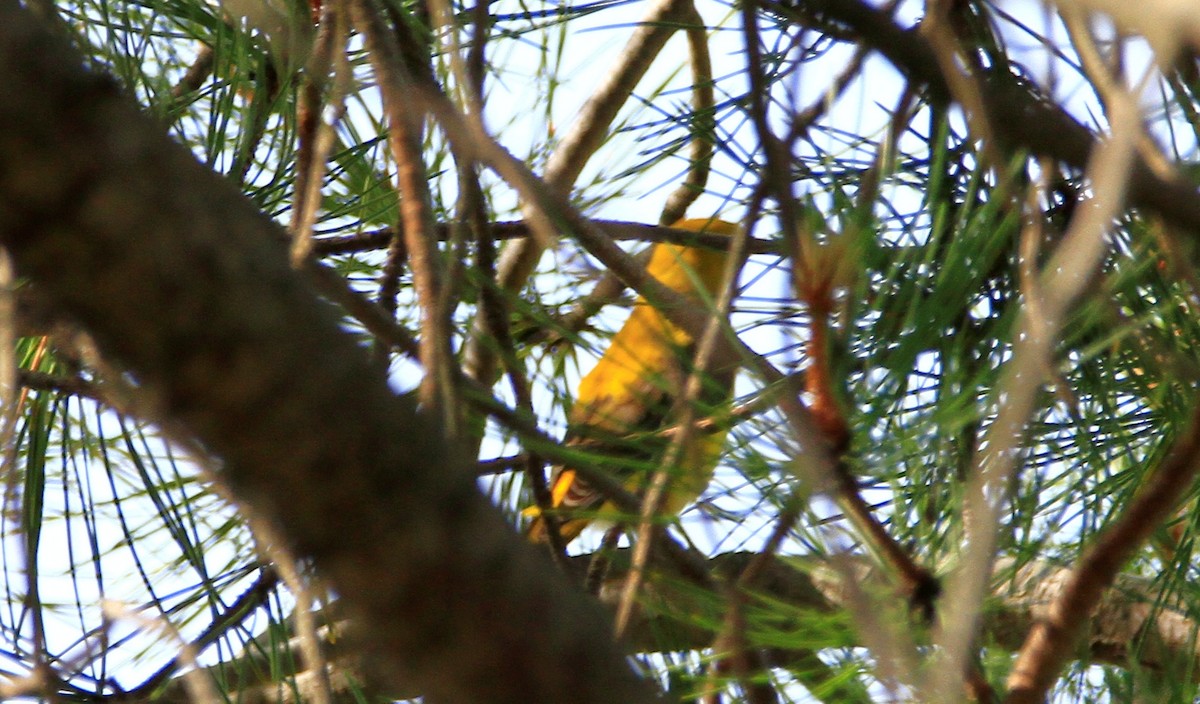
<point>632,390</point>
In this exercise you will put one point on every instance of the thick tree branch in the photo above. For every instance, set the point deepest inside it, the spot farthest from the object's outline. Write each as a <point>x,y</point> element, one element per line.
<point>182,281</point>
<point>1022,118</point>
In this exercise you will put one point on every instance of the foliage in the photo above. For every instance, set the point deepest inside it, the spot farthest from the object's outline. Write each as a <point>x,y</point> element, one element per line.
<point>909,283</point>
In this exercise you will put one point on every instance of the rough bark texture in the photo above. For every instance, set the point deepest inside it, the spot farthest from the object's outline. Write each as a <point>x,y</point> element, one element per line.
<point>184,283</point>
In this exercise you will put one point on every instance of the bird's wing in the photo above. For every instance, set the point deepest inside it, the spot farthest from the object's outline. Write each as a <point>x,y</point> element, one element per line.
<point>623,397</point>
<point>630,393</point>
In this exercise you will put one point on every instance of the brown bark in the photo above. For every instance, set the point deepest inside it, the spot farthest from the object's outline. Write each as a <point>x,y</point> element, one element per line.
<point>186,285</point>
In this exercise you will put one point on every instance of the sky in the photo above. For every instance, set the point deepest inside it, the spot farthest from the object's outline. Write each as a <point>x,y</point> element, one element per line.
<point>573,63</point>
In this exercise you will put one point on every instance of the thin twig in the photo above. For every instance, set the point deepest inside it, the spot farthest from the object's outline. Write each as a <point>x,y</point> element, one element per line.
<point>685,406</point>
<point>703,121</point>
<point>1065,277</point>
<point>732,636</point>
<point>777,179</point>
<point>198,72</point>
<point>438,387</point>
<point>882,626</point>
<point>598,566</point>
<point>732,652</point>
<point>255,119</point>
<point>315,136</point>
<point>274,547</point>
<point>1051,641</point>
<point>958,68</point>
<point>481,27</point>
<point>384,327</point>
<point>577,146</point>
<point>199,687</point>
<point>255,597</point>
<point>494,312</point>
<point>620,230</point>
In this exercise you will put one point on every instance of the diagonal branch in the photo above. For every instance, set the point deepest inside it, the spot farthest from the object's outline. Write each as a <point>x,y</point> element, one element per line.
<point>1049,297</point>
<point>703,122</point>
<point>185,283</point>
<point>1051,641</point>
<point>416,210</point>
<point>580,142</point>
<point>1021,118</point>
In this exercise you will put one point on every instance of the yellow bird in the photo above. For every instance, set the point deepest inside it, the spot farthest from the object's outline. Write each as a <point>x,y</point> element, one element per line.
<point>631,392</point>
